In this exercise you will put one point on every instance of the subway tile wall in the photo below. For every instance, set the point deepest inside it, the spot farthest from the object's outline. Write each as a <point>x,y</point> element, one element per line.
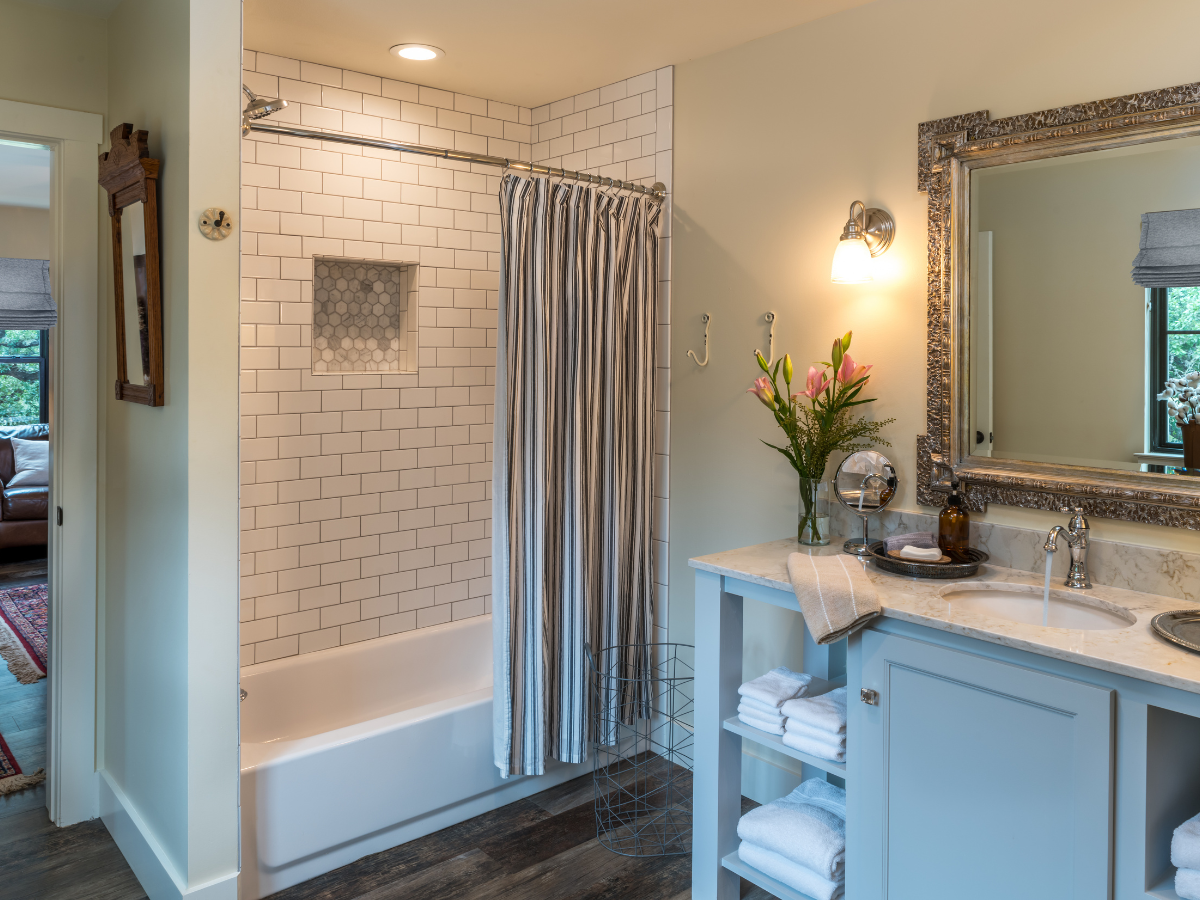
<point>366,498</point>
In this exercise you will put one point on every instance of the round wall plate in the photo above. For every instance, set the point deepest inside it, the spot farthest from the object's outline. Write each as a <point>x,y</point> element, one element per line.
<point>216,224</point>
<point>880,230</point>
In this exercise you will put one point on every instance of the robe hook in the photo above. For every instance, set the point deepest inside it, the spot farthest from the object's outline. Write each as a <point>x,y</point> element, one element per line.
<point>770,317</point>
<point>692,353</point>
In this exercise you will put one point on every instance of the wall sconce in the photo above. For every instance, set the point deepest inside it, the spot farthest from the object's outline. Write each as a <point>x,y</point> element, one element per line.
<point>868,232</point>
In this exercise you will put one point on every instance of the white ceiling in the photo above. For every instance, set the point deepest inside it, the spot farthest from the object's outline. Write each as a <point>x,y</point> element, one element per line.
<point>24,175</point>
<point>527,52</point>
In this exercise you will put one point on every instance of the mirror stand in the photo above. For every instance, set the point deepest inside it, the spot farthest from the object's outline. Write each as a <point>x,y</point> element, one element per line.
<point>865,483</point>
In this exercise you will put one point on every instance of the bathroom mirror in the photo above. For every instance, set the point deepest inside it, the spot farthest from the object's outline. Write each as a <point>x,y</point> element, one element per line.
<point>1044,355</point>
<point>865,483</point>
<point>131,179</point>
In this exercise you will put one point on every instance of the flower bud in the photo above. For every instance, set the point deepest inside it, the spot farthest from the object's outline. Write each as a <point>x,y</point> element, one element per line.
<point>762,363</point>
<point>846,340</point>
<point>787,368</point>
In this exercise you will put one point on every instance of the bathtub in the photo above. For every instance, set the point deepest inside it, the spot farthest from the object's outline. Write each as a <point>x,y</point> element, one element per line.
<point>353,750</point>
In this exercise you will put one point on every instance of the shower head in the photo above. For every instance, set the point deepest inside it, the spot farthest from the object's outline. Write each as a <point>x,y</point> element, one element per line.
<point>258,108</point>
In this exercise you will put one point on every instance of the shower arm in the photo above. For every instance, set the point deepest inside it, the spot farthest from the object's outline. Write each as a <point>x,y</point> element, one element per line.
<point>657,192</point>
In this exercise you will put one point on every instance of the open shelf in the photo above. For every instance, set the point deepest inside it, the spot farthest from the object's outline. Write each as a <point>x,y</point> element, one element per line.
<point>1165,889</point>
<point>775,742</point>
<point>734,863</point>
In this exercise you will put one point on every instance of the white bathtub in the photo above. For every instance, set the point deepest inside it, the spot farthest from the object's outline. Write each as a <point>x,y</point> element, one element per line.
<point>350,751</point>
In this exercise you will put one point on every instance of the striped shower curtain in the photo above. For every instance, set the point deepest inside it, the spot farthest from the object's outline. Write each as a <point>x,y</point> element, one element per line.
<point>573,468</point>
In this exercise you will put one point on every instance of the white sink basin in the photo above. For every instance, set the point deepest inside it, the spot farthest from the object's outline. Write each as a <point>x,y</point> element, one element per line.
<point>1024,603</point>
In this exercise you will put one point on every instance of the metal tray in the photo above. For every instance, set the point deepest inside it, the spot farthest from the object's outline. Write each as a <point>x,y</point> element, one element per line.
<point>1180,626</point>
<point>915,568</point>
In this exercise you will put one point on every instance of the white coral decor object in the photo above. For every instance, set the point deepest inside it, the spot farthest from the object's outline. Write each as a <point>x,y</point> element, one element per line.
<point>1182,395</point>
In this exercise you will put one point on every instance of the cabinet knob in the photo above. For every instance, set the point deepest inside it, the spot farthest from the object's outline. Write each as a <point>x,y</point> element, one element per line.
<point>868,696</point>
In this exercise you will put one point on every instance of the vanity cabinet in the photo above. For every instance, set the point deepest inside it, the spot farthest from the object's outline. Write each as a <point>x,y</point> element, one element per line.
<point>980,778</point>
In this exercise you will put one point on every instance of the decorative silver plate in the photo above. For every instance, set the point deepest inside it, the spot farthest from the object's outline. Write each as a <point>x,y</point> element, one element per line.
<point>1180,626</point>
<point>915,568</point>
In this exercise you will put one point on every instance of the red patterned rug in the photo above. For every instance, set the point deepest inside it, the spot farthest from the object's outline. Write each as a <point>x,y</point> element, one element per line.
<point>23,632</point>
<point>11,778</point>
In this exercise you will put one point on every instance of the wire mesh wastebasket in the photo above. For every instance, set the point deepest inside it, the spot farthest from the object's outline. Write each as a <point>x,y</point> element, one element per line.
<point>641,742</point>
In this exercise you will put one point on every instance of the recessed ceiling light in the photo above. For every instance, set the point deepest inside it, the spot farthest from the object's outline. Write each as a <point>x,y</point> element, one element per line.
<point>419,52</point>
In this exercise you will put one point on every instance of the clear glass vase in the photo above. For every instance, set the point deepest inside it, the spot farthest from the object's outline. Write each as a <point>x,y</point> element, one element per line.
<point>812,527</point>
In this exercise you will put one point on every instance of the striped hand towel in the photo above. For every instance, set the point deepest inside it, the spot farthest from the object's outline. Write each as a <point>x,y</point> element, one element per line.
<point>834,593</point>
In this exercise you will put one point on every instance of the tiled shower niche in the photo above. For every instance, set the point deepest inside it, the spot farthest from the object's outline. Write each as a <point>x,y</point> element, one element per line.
<point>364,316</point>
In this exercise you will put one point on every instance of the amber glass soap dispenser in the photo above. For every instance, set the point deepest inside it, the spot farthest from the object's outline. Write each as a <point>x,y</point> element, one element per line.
<point>954,526</point>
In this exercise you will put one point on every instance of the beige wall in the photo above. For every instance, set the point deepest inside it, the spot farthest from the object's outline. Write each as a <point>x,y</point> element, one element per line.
<point>1064,234</point>
<point>53,57</point>
<point>169,635</point>
<point>24,232</point>
<point>774,139</point>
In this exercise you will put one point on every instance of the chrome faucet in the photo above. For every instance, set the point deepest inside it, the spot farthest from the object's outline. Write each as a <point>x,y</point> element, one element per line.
<point>1076,534</point>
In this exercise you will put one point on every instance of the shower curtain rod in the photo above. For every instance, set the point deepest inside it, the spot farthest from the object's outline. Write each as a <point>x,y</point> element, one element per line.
<point>657,193</point>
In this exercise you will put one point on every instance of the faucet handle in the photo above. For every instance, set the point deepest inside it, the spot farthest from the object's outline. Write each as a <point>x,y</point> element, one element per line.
<point>1077,510</point>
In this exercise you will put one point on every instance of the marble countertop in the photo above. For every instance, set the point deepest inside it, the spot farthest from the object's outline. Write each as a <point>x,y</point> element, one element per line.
<point>1135,651</point>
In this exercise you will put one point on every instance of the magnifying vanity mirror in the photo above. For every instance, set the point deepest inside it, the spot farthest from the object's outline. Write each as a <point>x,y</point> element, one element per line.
<point>865,483</point>
<point>1049,345</point>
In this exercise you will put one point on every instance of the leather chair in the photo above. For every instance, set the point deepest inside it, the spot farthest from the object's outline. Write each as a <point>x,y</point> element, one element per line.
<point>23,510</point>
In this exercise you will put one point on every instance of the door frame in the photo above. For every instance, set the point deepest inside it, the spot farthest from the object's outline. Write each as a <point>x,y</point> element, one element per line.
<point>76,389</point>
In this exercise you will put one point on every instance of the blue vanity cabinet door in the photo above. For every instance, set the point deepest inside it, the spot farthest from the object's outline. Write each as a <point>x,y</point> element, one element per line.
<point>981,779</point>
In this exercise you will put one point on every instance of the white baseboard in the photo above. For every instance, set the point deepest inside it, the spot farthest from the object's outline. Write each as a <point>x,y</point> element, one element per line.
<point>150,863</point>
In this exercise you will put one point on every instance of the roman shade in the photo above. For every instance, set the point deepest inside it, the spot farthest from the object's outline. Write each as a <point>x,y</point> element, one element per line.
<point>25,301</point>
<point>1170,249</point>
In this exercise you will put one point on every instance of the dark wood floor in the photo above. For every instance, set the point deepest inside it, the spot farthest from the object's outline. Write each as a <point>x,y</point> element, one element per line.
<point>37,860</point>
<point>542,848</point>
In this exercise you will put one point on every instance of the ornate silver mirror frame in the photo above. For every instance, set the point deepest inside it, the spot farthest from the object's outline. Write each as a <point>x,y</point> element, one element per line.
<point>947,151</point>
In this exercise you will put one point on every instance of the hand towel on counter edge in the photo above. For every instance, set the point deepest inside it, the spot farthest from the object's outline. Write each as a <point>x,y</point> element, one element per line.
<point>834,594</point>
<point>1187,883</point>
<point>808,835</point>
<point>777,686</point>
<point>1185,844</point>
<point>762,723</point>
<point>826,712</point>
<point>831,750</point>
<point>797,877</point>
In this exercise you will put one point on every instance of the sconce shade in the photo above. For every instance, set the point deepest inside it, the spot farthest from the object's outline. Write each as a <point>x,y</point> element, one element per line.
<point>851,262</point>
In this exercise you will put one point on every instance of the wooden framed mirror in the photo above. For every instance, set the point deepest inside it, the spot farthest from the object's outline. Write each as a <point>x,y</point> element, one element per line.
<point>131,179</point>
<point>1042,378</point>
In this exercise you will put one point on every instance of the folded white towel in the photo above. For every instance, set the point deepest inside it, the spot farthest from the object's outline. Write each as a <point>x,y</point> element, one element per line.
<point>749,717</point>
<point>760,708</point>
<point>810,836</point>
<point>834,593</point>
<point>825,712</point>
<point>1185,844</point>
<point>928,554</point>
<point>777,686</point>
<point>1187,883</point>
<point>797,877</point>
<point>834,749</point>
<point>912,539</point>
<point>818,792</point>
<point>800,729</point>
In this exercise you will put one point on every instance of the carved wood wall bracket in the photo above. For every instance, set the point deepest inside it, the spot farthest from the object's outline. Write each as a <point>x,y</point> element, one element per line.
<point>946,150</point>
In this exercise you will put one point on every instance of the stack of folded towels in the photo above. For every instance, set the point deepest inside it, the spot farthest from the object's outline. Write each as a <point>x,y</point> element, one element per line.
<point>1185,856</point>
<point>800,839</point>
<point>762,698</point>
<point>817,725</point>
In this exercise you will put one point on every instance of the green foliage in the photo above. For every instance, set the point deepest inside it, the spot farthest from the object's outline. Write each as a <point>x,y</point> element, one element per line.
<point>20,389</point>
<point>1183,350</point>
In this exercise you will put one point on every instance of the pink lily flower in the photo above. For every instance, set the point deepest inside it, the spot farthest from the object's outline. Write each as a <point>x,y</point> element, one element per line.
<point>817,382</point>
<point>850,371</point>
<point>762,390</point>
